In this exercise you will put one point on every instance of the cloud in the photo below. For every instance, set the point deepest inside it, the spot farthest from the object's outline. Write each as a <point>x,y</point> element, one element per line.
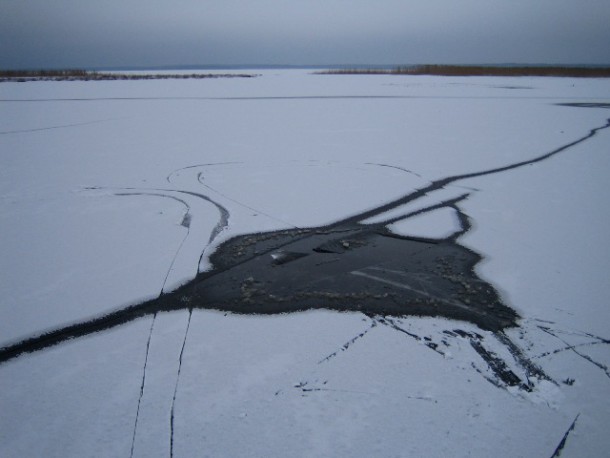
<point>157,32</point>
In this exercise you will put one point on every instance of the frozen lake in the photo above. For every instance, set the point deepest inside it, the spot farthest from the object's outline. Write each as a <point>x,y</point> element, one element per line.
<point>305,265</point>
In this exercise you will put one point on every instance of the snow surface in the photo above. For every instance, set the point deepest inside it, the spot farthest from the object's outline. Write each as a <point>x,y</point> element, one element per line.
<point>94,196</point>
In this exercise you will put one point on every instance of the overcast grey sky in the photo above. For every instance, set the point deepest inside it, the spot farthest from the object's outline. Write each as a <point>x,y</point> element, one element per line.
<point>106,33</point>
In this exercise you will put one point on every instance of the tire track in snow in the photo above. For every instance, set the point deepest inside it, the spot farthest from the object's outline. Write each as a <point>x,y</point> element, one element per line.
<point>185,223</point>
<point>189,245</point>
<point>199,180</point>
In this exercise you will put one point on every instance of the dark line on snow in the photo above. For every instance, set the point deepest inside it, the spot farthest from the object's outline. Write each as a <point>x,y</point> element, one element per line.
<point>568,347</point>
<point>390,323</point>
<point>135,426</point>
<point>451,203</point>
<point>601,366</point>
<point>222,224</point>
<point>530,368</point>
<point>438,184</point>
<point>188,229</point>
<point>347,344</point>
<point>20,131</point>
<point>562,444</point>
<point>171,419</point>
<point>394,167</point>
<point>211,164</point>
<point>498,366</point>
<point>200,179</point>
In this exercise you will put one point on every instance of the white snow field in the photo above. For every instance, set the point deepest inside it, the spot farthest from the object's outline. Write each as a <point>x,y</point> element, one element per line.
<point>98,212</point>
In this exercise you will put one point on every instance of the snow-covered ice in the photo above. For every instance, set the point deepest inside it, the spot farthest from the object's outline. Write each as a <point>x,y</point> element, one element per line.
<point>101,207</point>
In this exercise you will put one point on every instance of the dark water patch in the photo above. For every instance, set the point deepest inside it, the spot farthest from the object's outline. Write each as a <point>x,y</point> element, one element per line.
<point>373,273</point>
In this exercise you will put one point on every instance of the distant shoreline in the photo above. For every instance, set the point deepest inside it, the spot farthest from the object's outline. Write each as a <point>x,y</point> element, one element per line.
<point>573,71</point>
<point>86,75</point>
<point>479,70</point>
